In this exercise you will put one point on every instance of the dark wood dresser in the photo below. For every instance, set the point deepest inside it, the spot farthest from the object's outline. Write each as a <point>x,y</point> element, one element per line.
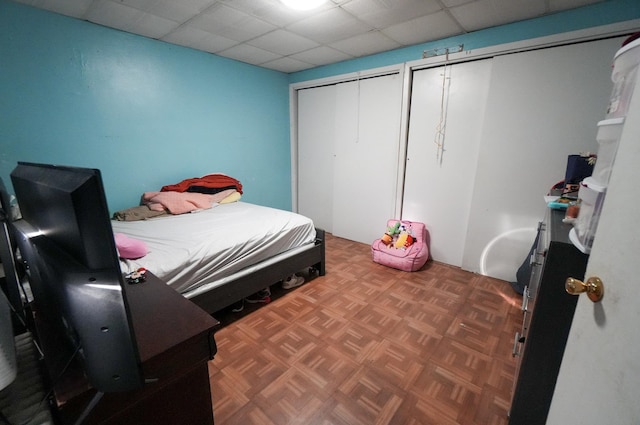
<point>175,341</point>
<point>548,312</point>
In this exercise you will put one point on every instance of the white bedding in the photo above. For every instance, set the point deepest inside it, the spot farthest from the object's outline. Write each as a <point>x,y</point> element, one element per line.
<point>188,251</point>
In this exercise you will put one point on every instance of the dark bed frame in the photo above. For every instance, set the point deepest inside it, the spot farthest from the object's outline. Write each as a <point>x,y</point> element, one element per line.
<point>235,290</point>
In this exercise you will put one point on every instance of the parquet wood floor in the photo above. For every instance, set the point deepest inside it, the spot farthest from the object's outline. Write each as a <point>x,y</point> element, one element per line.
<point>366,344</point>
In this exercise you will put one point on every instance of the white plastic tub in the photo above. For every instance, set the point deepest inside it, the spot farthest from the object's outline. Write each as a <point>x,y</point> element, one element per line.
<point>591,197</point>
<point>625,69</point>
<point>609,132</point>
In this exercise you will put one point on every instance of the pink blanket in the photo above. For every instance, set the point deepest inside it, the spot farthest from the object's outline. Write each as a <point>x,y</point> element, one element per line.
<point>177,202</point>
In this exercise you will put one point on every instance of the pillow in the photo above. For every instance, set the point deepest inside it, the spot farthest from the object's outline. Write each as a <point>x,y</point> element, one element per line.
<point>235,196</point>
<point>129,248</point>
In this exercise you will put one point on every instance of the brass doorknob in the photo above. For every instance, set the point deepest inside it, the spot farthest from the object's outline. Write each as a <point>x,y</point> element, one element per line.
<point>594,288</point>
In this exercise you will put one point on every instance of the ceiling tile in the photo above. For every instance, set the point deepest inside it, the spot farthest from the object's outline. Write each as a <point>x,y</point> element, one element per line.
<point>328,26</point>
<point>365,44</point>
<point>74,8</point>
<point>426,28</point>
<point>249,54</point>
<point>287,65</point>
<point>113,14</point>
<point>198,39</point>
<point>213,43</point>
<point>487,13</point>
<point>515,10</point>
<point>144,5</point>
<point>383,13</point>
<point>283,42</point>
<point>273,11</point>
<point>153,26</point>
<point>558,5</point>
<point>230,23</point>
<point>322,55</point>
<point>184,35</point>
<point>179,11</point>
<point>267,33</point>
<point>454,3</point>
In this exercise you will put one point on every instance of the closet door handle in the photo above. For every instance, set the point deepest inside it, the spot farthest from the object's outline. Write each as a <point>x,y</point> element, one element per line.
<point>525,298</point>
<point>533,260</point>
<point>516,340</point>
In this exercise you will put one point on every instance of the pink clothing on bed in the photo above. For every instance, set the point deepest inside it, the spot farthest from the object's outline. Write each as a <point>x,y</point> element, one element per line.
<point>177,202</point>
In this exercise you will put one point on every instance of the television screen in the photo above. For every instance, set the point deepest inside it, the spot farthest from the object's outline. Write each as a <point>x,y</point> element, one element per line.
<point>66,239</point>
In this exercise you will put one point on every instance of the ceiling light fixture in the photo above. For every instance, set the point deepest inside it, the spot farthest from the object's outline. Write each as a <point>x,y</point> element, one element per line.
<point>303,4</point>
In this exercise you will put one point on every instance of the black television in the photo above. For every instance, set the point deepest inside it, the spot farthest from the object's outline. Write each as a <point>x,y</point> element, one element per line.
<point>67,244</point>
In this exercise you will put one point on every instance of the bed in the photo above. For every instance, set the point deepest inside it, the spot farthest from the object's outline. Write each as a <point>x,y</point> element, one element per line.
<point>218,256</point>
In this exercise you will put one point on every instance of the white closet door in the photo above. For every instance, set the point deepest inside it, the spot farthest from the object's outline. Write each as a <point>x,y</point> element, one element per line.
<point>439,182</point>
<point>543,105</point>
<point>348,144</point>
<point>366,162</point>
<point>316,134</point>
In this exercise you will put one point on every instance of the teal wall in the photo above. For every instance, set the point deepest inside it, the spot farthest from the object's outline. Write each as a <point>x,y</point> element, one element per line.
<point>603,13</point>
<point>146,113</point>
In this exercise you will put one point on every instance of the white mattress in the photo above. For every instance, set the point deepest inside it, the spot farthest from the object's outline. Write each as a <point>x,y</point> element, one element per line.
<point>188,251</point>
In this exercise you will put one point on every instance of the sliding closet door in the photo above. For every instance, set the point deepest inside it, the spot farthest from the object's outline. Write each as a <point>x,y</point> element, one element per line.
<point>348,144</point>
<point>316,133</point>
<point>447,112</point>
<point>543,105</point>
<point>367,146</point>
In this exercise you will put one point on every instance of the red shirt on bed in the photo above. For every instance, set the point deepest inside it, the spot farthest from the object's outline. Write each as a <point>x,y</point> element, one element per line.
<point>206,184</point>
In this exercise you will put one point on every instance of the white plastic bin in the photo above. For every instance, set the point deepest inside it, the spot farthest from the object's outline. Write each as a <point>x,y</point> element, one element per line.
<point>625,68</point>
<point>609,132</point>
<point>591,196</point>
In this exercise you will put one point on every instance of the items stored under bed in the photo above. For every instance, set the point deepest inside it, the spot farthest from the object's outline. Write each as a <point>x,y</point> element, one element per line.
<point>219,255</point>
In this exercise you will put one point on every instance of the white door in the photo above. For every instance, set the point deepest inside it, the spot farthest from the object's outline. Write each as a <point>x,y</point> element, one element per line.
<point>316,132</point>
<point>348,144</point>
<point>366,157</point>
<point>447,114</point>
<point>599,380</point>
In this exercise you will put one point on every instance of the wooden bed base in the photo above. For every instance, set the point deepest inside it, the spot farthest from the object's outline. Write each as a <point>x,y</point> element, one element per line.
<point>234,290</point>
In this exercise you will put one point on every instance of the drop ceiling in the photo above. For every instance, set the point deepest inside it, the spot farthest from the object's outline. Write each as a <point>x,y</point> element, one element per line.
<point>268,34</point>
